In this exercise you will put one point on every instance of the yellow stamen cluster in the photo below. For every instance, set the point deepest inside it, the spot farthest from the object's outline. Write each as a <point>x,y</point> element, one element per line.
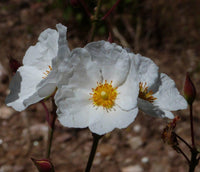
<point>47,72</point>
<point>145,94</point>
<point>104,95</point>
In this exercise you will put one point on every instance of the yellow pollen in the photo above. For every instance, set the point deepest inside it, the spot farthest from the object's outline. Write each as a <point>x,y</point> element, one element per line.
<point>145,94</point>
<point>104,95</point>
<point>47,72</point>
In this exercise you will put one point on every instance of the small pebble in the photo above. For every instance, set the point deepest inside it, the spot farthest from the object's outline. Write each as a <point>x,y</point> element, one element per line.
<point>145,160</point>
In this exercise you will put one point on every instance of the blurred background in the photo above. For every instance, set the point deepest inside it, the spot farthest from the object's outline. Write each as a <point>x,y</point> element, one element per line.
<point>166,31</point>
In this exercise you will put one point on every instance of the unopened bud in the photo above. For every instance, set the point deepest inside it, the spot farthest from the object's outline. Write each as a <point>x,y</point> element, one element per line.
<point>43,165</point>
<point>189,90</point>
<point>14,64</point>
<point>3,75</point>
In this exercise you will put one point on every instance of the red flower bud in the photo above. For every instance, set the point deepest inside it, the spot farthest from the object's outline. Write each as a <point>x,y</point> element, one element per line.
<point>14,64</point>
<point>43,165</point>
<point>189,90</point>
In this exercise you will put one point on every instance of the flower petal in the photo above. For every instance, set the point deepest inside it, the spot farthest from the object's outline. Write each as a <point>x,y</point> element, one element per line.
<point>150,108</point>
<point>76,110</point>
<point>63,48</point>
<point>47,86</point>
<point>44,51</point>
<point>22,86</point>
<point>108,121</point>
<point>74,107</point>
<point>86,73</point>
<point>153,110</point>
<point>128,92</point>
<point>147,71</point>
<point>168,97</point>
<point>113,60</point>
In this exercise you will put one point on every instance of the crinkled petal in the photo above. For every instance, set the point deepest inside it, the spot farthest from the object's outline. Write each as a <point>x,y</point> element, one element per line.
<point>76,110</point>
<point>63,48</point>
<point>48,85</point>
<point>168,97</point>
<point>128,92</point>
<point>74,107</point>
<point>86,73</point>
<point>113,60</point>
<point>108,121</point>
<point>44,51</point>
<point>147,71</point>
<point>150,109</point>
<point>23,86</point>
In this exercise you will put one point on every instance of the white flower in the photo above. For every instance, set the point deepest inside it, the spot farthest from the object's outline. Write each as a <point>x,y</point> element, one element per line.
<point>37,66</point>
<point>158,94</point>
<point>99,94</point>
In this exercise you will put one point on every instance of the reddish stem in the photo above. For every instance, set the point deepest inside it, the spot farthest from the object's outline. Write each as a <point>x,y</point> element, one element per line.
<point>51,129</point>
<point>183,141</point>
<point>47,112</point>
<point>185,156</point>
<point>85,7</point>
<point>192,127</point>
<point>110,11</point>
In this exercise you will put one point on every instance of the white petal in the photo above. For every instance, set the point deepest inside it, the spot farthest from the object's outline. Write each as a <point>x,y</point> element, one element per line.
<point>113,60</point>
<point>44,51</point>
<point>168,97</point>
<point>168,114</point>
<point>128,91</point>
<point>74,107</point>
<point>63,49</point>
<point>22,86</point>
<point>108,121</point>
<point>147,71</point>
<point>150,109</point>
<point>47,86</point>
<point>86,73</point>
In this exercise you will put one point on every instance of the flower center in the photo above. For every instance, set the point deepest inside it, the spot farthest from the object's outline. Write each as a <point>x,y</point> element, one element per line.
<point>47,72</point>
<point>145,94</point>
<point>104,95</point>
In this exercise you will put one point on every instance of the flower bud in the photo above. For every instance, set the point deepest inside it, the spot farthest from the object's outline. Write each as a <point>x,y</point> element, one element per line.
<point>43,165</point>
<point>14,64</point>
<point>189,90</point>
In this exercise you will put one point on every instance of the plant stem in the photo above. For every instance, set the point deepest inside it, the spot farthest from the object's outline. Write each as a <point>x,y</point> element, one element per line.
<point>194,161</point>
<point>185,156</point>
<point>85,7</point>
<point>183,141</point>
<point>96,138</point>
<point>46,110</point>
<point>51,129</point>
<point>192,127</point>
<point>95,20</point>
<point>110,11</point>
